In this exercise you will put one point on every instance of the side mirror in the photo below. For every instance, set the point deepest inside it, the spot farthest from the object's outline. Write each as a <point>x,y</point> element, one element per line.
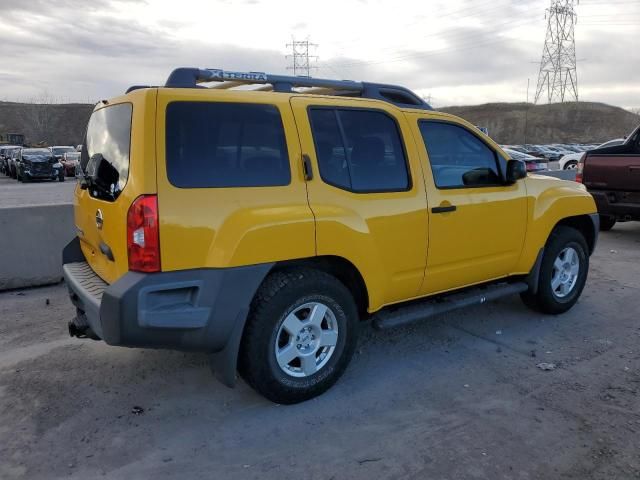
<point>516,169</point>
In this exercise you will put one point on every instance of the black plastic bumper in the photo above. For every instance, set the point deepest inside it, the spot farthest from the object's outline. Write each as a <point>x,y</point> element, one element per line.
<point>621,205</point>
<point>200,310</point>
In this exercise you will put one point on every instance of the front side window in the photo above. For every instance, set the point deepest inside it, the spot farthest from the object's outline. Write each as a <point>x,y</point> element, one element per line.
<point>458,158</point>
<point>225,145</point>
<point>105,154</point>
<point>359,150</point>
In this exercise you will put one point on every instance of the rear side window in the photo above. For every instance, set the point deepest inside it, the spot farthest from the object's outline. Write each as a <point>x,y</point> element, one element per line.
<point>225,145</point>
<point>458,158</point>
<point>359,150</point>
<point>105,154</point>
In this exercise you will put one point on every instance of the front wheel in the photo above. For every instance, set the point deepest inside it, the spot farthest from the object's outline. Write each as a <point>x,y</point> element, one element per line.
<point>563,272</point>
<point>571,165</point>
<point>300,335</point>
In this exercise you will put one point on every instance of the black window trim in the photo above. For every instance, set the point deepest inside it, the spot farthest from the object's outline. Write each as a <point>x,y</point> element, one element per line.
<point>335,109</point>
<point>241,133</point>
<point>496,156</point>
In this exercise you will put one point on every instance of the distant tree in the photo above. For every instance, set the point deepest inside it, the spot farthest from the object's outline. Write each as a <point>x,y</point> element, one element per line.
<point>37,116</point>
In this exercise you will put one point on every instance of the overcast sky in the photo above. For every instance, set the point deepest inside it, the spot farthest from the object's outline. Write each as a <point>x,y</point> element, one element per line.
<point>457,51</point>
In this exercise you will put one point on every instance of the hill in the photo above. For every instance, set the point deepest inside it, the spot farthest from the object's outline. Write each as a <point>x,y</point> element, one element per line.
<point>582,122</point>
<point>53,124</point>
<point>64,124</point>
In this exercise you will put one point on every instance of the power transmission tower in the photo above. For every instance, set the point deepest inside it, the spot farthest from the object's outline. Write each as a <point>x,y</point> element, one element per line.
<point>301,60</point>
<point>558,78</point>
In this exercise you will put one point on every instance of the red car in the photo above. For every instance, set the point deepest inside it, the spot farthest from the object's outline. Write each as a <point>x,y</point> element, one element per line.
<point>70,161</point>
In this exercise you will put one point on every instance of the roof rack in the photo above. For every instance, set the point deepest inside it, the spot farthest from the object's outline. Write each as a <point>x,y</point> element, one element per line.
<point>193,77</point>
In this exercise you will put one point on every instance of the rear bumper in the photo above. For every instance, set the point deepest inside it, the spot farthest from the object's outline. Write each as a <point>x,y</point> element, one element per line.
<point>622,205</point>
<point>200,310</point>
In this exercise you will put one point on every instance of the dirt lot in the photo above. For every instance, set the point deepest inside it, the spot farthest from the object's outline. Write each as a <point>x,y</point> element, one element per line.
<point>44,192</point>
<point>457,397</point>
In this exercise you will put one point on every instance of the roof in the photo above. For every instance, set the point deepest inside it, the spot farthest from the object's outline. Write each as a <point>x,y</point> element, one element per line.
<point>187,77</point>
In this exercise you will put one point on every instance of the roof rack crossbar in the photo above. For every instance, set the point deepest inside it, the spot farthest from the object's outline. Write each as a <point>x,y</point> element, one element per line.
<point>189,77</point>
<point>192,77</point>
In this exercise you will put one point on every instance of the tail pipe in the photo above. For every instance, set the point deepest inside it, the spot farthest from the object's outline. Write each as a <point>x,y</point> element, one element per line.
<point>79,327</point>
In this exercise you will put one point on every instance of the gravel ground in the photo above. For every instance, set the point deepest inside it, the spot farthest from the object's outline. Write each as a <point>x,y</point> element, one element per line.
<point>45,192</point>
<point>457,397</point>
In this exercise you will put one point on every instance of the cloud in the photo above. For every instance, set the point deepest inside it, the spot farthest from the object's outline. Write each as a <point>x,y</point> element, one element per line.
<point>460,51</point>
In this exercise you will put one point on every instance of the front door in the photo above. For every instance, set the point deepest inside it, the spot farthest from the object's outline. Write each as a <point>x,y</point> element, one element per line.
<point>477,223</point>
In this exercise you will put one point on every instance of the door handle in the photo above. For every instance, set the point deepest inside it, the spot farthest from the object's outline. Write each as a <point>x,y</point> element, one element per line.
<point>306,165</point>
<point>443,209</point>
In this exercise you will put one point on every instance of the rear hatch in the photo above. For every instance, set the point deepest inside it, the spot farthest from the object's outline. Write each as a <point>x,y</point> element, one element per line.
<point>117,165</point>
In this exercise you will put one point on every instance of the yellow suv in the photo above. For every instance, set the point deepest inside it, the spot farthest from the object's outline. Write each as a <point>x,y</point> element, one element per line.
<point>261,218</point>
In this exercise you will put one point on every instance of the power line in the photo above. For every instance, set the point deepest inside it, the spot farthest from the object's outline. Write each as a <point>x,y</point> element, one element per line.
<point>558,69</point>
<point>301,60</point>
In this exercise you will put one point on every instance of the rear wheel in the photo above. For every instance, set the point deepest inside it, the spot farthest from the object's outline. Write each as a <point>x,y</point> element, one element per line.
<point>571,165</point>
<point>300,335</point>
<point>607,222</point>
<point>563,272</point>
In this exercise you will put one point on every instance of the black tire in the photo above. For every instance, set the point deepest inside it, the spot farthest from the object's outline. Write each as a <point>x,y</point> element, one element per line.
<point>281,294</point>
<point>546,300</point>
<point>571,165</point>
<point>61,178</point>
<point>607,222</point>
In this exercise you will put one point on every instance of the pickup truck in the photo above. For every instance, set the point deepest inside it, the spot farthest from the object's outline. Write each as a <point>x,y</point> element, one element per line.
<point>612,177</point>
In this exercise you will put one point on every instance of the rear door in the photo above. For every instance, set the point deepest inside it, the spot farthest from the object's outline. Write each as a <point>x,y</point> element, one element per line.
<point>118,154</point>
<point>366,191</point>
<point>231,190</point>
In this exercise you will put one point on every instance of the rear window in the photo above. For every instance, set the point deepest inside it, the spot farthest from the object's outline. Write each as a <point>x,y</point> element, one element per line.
<point>225,145</point>
<point>105,154</point>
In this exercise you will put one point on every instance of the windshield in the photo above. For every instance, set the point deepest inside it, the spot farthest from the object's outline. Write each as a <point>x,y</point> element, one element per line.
<point>36,154</point>
<point>61,150</point>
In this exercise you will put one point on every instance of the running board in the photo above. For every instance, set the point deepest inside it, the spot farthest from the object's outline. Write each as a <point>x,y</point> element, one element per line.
<point>390,318</point>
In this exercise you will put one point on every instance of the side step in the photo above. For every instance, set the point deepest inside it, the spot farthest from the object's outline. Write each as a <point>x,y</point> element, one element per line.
<point>390,318</point>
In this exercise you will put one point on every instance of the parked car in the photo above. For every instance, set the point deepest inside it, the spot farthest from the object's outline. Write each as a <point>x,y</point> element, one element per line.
<point>38,164</point>
<point>570,161</point>
<point>611,174</point>
<point>543,151</point>
<point>534,164</point>
<point>5,153</point>
<point>11,161</point>
<point>58,151</point>
<point>70,161</point>
<point>268,225</point>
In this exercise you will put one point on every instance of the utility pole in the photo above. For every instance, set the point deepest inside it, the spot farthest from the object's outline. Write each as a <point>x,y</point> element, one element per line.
<point>301,60</point>
<point>526,114</point>
<point>557,77</point>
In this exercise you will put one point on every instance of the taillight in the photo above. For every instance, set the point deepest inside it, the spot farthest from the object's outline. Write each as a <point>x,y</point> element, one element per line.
<point>143,235</point>
<point>580,168</point>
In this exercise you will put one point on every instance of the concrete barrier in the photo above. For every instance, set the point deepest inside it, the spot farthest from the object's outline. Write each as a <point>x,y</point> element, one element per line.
<point>562,174</point>
<point>31,243</point>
